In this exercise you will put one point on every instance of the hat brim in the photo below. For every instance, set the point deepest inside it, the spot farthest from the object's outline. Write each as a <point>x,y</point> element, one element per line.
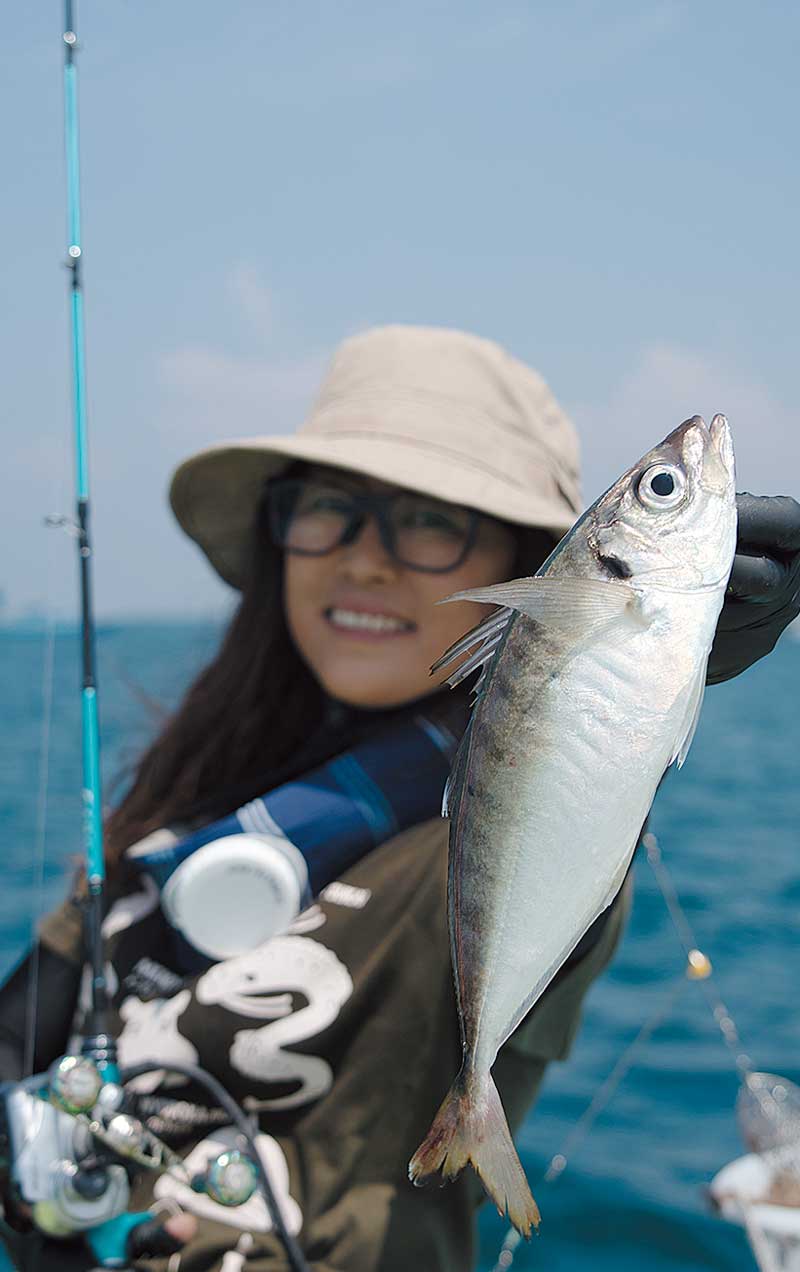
<point>215,493</point>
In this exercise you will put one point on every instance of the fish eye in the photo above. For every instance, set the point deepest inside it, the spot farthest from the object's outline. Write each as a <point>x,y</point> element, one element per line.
<point>662,486</point>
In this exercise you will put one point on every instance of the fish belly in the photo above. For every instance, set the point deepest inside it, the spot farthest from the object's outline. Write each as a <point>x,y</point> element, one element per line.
<point>553,803</point>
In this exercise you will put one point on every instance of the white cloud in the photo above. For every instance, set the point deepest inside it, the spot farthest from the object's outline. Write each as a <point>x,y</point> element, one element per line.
<point>250,295</point>
<point>212,394</point>
<point>666,385</point>
<point>195,395</point>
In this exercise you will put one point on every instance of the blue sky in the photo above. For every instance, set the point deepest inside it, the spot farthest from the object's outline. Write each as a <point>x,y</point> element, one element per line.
<point>609,189</point>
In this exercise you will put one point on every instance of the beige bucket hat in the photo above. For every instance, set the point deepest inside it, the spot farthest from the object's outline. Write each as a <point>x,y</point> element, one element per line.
<point>437,411</point>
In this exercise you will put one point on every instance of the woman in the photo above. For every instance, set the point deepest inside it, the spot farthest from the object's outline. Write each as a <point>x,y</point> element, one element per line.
<point>432,462</point>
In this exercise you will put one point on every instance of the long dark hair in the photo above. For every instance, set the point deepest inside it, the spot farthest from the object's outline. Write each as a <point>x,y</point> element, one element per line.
<point>251,708</point>
<point>253,718</point>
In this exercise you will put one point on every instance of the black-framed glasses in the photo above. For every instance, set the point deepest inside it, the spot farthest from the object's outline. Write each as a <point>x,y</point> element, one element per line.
<point>313,516</point>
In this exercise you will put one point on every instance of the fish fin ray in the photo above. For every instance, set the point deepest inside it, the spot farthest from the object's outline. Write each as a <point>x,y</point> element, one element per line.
<point>481,657</point>
<point>564,603</point>
<point>483,640</point>
<point>471,1127</point>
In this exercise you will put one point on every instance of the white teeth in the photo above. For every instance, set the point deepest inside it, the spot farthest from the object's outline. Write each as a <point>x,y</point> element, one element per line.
<point>355,621</point>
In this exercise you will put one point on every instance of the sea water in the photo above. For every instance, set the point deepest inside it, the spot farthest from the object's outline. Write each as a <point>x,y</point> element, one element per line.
<point>632,1196</point>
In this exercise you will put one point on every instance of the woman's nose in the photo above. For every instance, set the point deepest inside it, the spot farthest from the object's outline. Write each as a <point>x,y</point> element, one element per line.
<point>365,557</point>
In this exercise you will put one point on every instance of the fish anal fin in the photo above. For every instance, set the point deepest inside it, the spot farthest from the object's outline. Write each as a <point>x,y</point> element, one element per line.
<point>471,1128</point>
<point>694,705</point>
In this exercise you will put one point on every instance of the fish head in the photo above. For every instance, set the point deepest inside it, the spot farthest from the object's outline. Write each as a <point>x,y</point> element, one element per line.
<point>670,520</point>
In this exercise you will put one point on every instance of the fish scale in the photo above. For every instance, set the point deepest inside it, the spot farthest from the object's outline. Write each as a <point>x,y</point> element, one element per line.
<point>592,679</point>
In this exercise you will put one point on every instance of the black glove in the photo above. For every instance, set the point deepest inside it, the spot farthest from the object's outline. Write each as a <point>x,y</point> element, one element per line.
<point>152,1239</point>
<point>763,594</point>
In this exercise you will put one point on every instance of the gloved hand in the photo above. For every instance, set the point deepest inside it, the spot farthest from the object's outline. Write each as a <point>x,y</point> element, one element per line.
<point>763,594</point>
<point>162,1235</point>
<point>29,1249</point>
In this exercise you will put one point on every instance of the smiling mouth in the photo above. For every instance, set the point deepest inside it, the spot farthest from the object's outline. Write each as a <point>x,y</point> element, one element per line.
<point>357,621</point>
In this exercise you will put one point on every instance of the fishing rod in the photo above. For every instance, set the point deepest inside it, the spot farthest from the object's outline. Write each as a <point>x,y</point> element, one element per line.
<point>233,1180</point>
<point>233,1177</point>
<point>99,1042</point>
<point>70,1142</point>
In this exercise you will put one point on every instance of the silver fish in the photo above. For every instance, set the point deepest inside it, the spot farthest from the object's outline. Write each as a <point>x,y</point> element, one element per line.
<point>592,683</point>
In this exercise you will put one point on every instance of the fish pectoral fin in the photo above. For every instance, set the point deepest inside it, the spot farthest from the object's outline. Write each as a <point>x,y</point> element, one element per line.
<point>569,604</point>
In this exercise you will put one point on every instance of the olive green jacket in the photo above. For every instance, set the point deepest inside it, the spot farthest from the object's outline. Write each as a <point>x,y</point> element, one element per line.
<point>341,1037</point>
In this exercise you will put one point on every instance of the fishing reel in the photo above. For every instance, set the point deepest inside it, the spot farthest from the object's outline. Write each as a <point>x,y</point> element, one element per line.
<point>70,1145</point>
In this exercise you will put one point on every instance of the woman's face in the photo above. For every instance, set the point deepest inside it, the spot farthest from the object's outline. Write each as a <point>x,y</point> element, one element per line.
<point>386,664</point>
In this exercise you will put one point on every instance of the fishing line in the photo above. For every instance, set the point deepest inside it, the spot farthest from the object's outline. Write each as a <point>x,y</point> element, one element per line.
<point>698,968</point>
<point>239,1119</point>
<point>763,1093</point>
<point>608,1087</point>
<point>602,1097</point>
<point>100,1044</point>
<point>37,887</point>
<point>43,787</point>
<point>687,938</point>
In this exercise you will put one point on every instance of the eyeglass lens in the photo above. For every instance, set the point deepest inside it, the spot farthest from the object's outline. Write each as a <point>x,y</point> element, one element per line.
<point>314,518</point>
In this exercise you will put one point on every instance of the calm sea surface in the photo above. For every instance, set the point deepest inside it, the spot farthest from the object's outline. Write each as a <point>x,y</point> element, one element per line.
<point>632,1196</point>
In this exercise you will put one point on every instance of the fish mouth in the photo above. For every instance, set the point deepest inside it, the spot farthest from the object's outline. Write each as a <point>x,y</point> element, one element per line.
<point>720,433</point>
<point>717,452</point>
<point>708,450</point>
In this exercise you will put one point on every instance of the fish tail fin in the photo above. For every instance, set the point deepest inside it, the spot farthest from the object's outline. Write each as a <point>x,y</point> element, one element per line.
<point>471,1126</point>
